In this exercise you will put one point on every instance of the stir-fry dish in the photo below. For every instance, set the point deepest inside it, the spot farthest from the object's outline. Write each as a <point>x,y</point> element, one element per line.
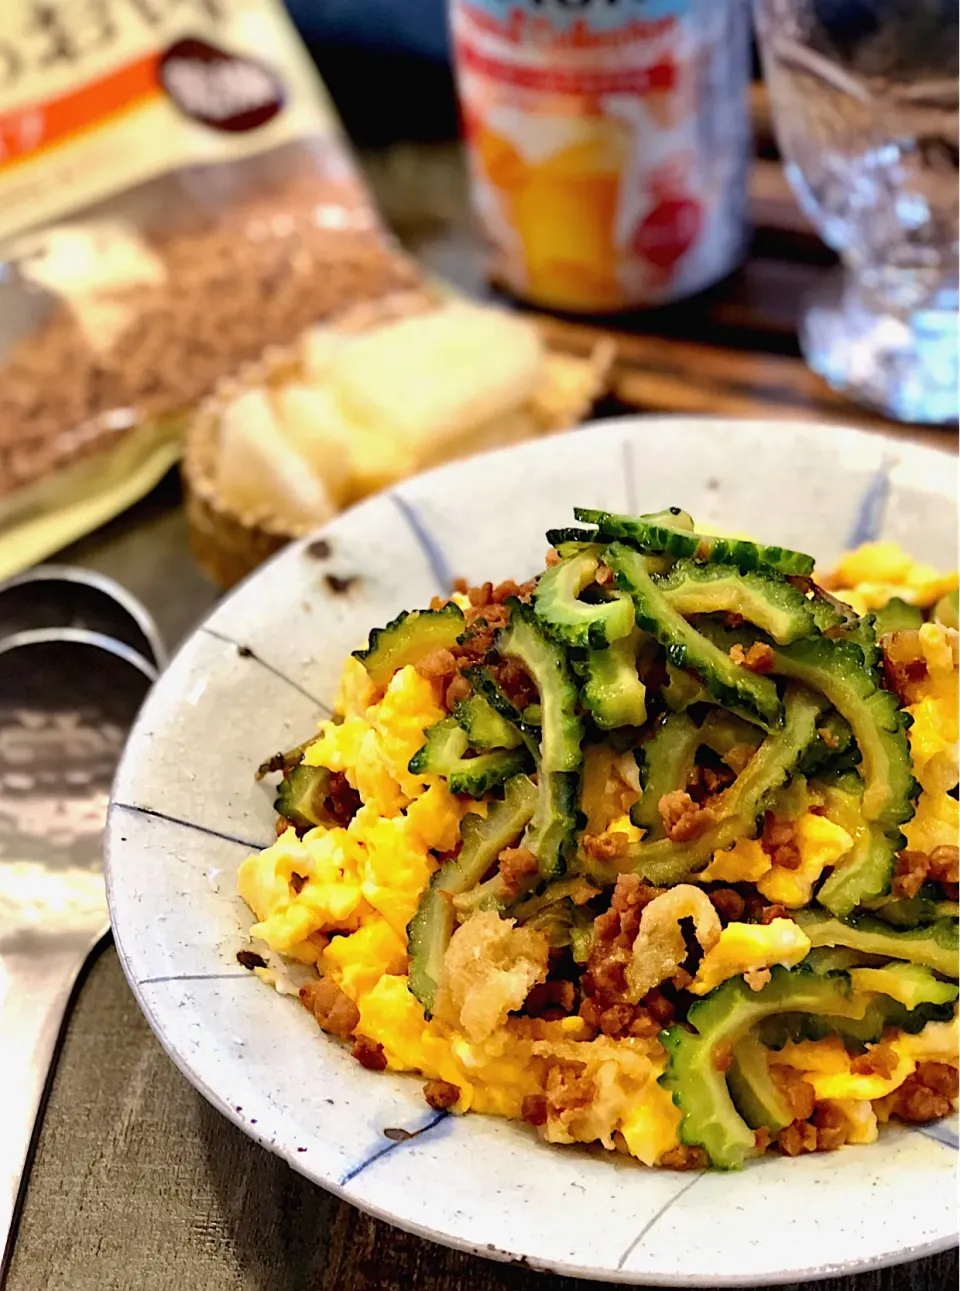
<point>657,850</point>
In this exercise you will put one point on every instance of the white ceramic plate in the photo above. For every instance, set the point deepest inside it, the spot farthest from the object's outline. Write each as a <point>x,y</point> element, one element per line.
<point>255,677</point>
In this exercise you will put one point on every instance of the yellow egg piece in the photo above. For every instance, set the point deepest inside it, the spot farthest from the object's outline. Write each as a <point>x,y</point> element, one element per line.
<point>822,843</point>
<point>744,862</point>
<point>874,562</point>
<point>650,1128</point>
<point>356,962</point>
<point>746,947</point>
<point>935,824</point>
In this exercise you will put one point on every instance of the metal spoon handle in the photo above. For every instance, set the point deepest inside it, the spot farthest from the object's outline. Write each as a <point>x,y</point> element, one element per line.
<point>33,999</point>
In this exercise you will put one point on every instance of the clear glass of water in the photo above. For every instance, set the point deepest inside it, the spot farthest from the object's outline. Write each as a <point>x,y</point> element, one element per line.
<point>864,95</point>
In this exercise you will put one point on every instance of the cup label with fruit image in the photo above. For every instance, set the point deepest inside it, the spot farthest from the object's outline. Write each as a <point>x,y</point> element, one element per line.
<point>607,143</point>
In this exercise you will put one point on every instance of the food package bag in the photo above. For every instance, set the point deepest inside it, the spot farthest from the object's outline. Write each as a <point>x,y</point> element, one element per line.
<point>175,196</point>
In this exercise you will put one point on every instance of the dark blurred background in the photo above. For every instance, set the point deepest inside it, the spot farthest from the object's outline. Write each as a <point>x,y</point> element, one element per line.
<point>386,64</point>
<point>373,53</point>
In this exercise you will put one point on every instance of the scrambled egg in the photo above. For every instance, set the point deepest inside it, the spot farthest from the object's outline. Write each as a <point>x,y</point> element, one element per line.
<point>826,1065</point>
<point>364,880</point>
<point>933,735</point>
<point>936,824</point>
<point>749,948</point>
<point>870,576</point>
<point>341,898</point>
<point>822,842</point>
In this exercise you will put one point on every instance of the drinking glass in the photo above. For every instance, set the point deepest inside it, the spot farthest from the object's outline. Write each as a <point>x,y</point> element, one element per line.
<point>864,100</point>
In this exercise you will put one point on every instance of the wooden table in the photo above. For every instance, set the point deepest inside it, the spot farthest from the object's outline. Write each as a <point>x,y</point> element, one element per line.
<point>137,1182</point>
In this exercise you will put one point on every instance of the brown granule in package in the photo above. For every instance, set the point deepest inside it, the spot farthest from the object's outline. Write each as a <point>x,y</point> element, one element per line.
<point>258,272</point>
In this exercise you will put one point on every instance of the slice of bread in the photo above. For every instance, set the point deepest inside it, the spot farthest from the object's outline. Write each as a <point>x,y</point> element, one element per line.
<point>426,381</point>
<point>259,472</point>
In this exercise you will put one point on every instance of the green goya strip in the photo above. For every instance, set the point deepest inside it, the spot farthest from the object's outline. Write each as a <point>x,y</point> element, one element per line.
<point>910,912</point>
<point>442,754</point>
<point>755,1093</point>
<point>737,808</point>
<point>683,688</point>
<point>769,602</point>
<point>576,623</point>
<point>302,798</point>
<point>837,669</point>
<point>652,534</point>
<point>561,728</point>
<point>946,612</point>
<point>728,683</point>
<point>879,1015</point>
<point>863,875</point>
<point>484,727</point>
<point>482,841</point>
<point>409,638</point>
<point>909,984</point>
<point>896,616</point>
<point>666,760</point>
<point>719,1022</point>
<point>935,945</point>
<point>612,692</point>
<point>550,833</point>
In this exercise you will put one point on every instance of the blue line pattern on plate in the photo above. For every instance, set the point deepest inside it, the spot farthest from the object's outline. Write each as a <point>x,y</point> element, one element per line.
<point>190,824</point>
<point>391,1146</point>
<point>655,1219</point>
<point>245,652</point>
<point>941,1132</point>
<point>436,557</point>
<point>872,507</point>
